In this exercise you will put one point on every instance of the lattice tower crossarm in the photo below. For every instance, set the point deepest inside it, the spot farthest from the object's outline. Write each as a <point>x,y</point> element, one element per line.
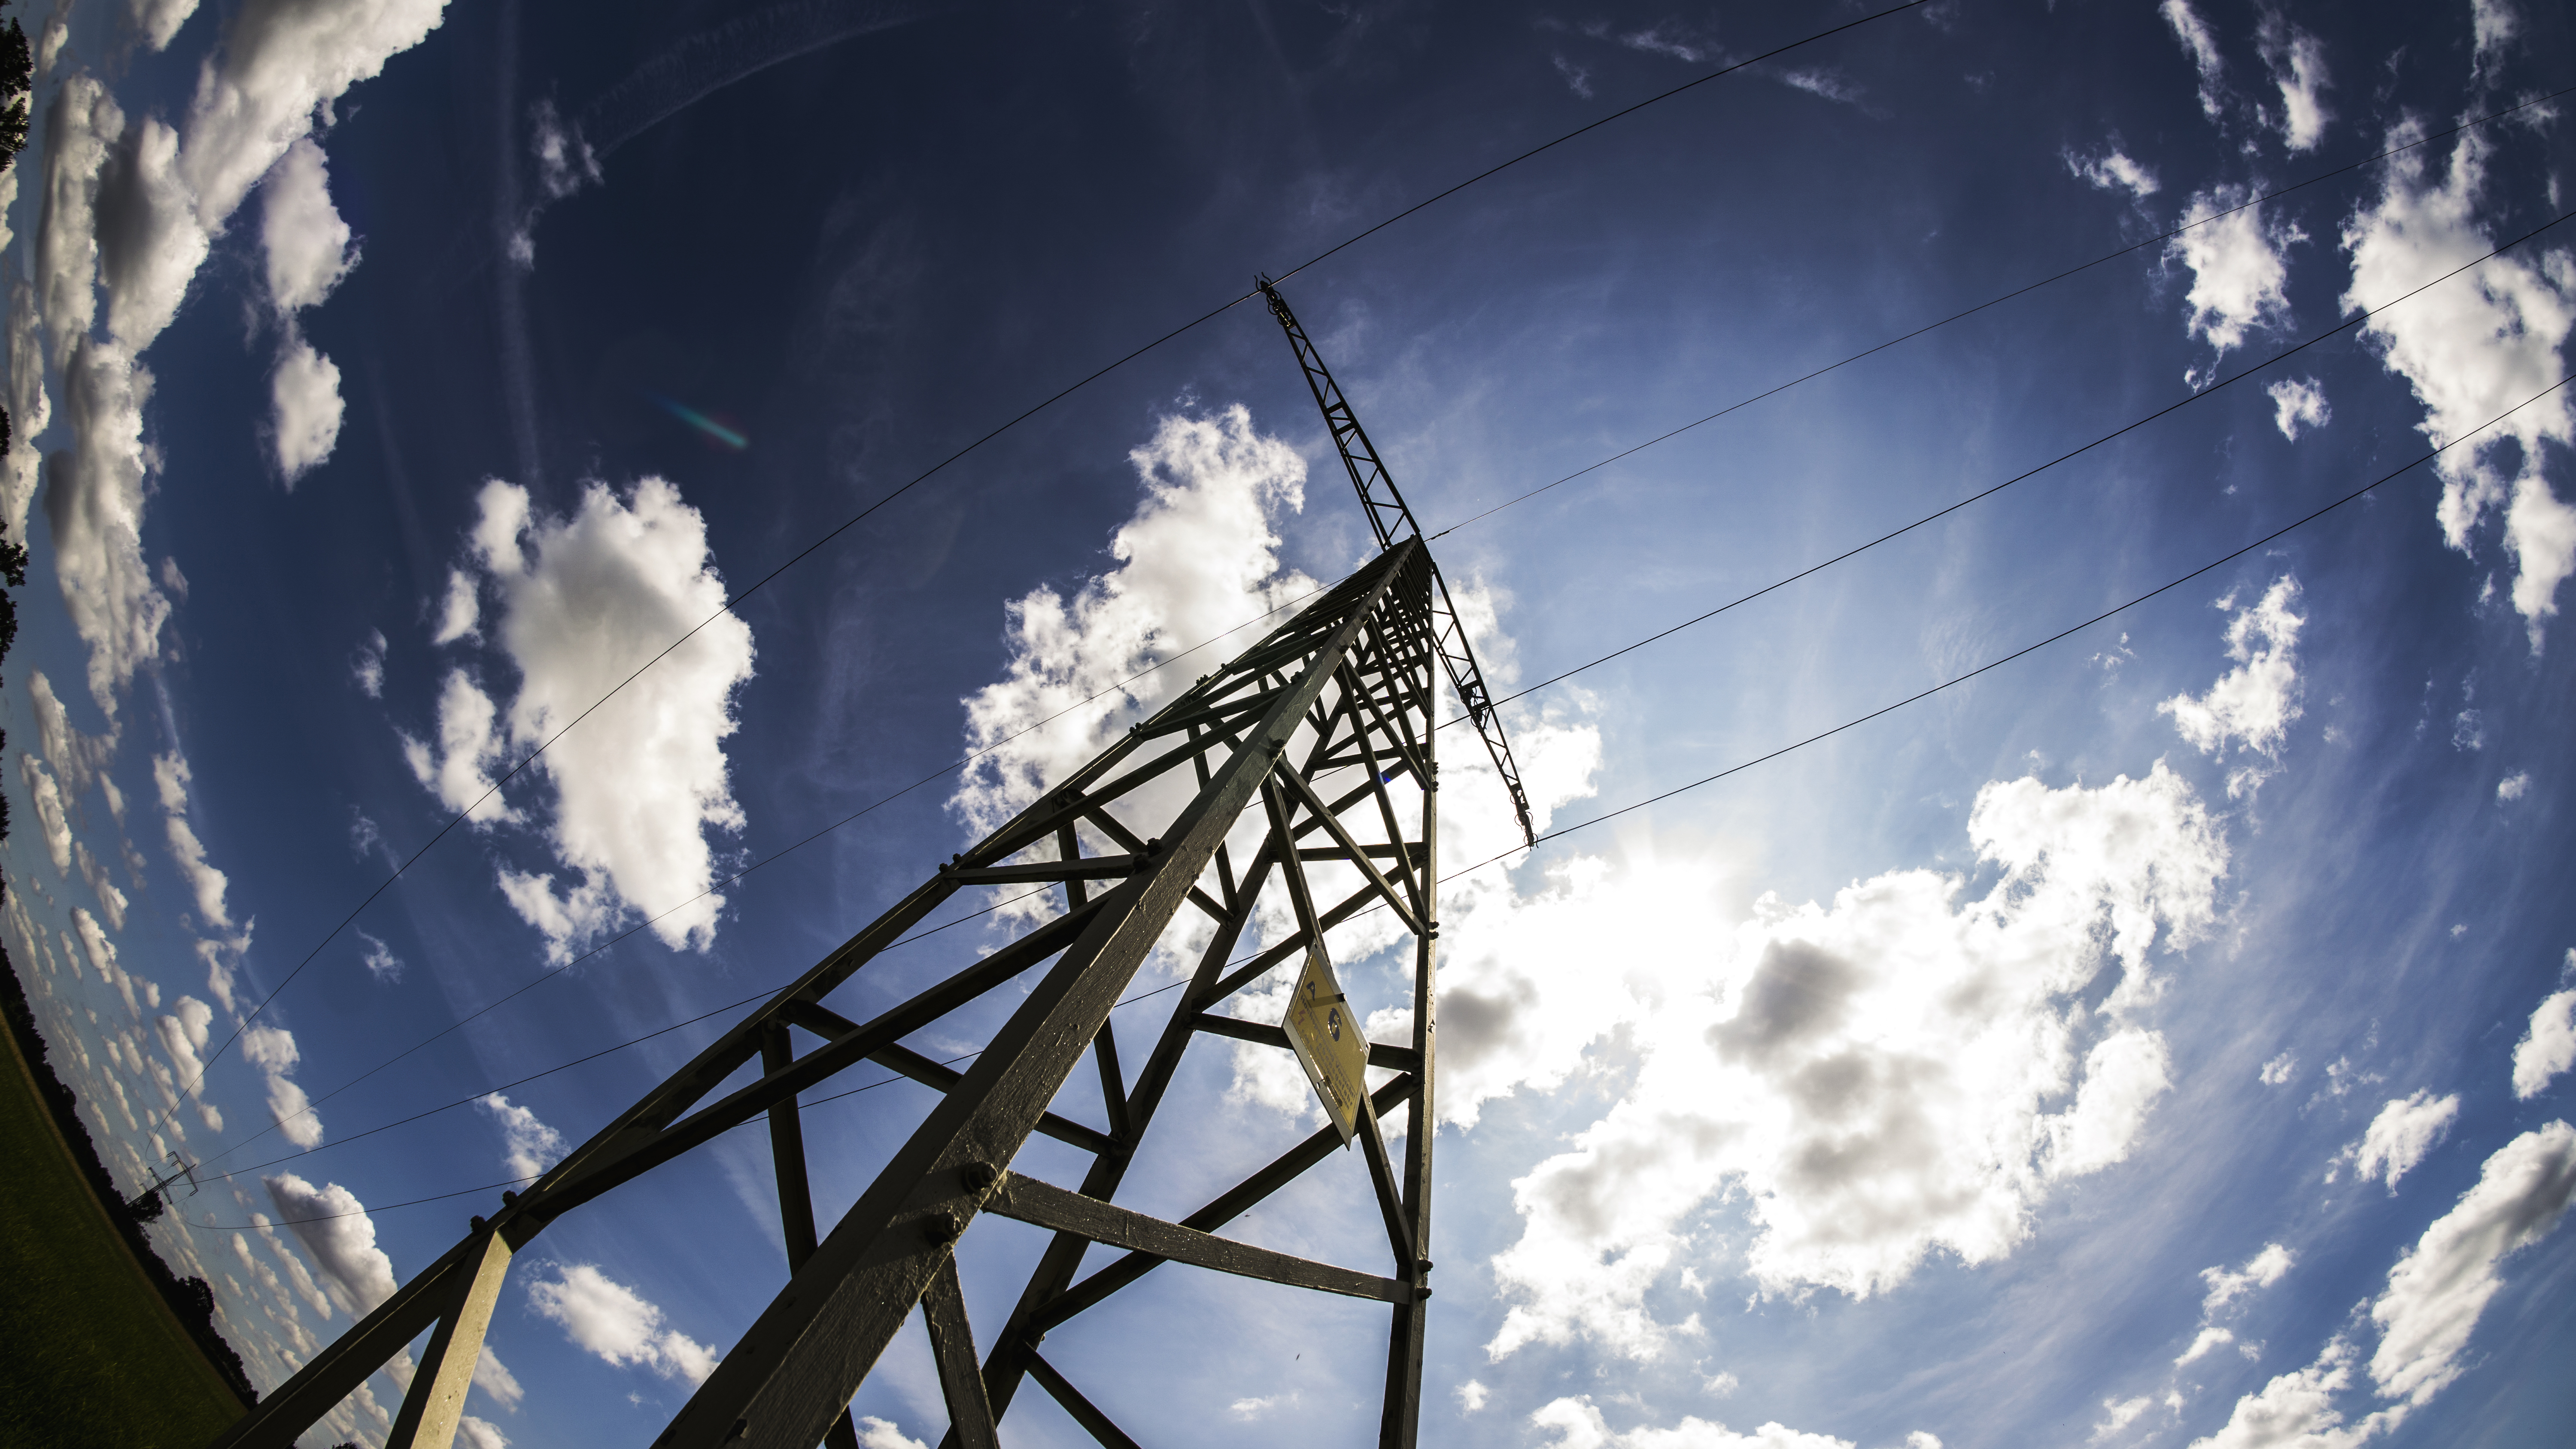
<point>1392,521</point>
<point>1317,744</point>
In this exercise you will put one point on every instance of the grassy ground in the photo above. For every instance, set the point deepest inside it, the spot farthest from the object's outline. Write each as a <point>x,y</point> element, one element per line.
<point>89,1352</point>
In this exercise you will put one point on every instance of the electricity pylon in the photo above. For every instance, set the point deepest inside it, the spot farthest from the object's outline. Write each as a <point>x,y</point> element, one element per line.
<point>1312,759</point>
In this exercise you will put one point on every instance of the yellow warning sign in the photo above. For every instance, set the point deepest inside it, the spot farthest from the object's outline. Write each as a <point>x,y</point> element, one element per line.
<point>1327,1036</point>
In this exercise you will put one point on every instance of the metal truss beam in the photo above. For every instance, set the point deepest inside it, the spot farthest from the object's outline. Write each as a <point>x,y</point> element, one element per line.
<point>1130,842</point>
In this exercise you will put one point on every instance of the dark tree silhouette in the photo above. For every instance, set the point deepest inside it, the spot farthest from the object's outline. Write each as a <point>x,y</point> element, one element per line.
<point>17,82</point>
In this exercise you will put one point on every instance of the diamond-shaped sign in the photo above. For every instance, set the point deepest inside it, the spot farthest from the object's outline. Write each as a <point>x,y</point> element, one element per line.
<point>1326,1033</point>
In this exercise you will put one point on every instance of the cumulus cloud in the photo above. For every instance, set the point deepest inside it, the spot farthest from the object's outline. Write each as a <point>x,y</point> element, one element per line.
<point>272,1049</point>
<point>529,1146</point>
<point>80,126</point>
<point>2514,786</point>
<point>150,243</point>
<point>282,63</point>
<point>155,22</point>
<point>2548,1045</point>
<point>308,246</point>
<point>2262,1271</point>
<point>1199,557</point>
<point>2239,274</point>
<point>94,505</point>
<point>480,1433</point>
<point>2436,1292</point>
<point>1471,1396</point>
<point>584,600</point>
<point>2426,1316</point>
<point>2280,1069</point>
<point>876,1433</point>
<point>1578,1424</point>
<point>338,1235</point>
<point>2113,171</point>
<point>2471,349</point>
<point>2297,402</point>
<point>30,408</point>
<point>609,1319</point>
<point>2119,1414</point>
<point>47,799</point>
<point>2254,703</point>
<point>2398,1139</point>
<point>2297,61</point>
<point>1897,1073</point>
<point>2202,47</point>
<point>2209,1340</point>
<point>304,409</point>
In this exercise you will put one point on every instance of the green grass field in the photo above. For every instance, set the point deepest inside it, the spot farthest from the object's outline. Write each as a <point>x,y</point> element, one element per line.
<point>89,1353</point>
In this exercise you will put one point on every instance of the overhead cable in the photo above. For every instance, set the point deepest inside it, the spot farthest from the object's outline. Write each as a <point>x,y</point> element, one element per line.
<point>731,603</point>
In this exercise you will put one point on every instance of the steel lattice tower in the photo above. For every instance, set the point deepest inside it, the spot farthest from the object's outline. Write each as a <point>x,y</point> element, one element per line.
<point>1321,738</point>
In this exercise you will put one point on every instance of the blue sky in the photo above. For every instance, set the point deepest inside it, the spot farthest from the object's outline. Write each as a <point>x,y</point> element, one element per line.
<point>2160,1039</point>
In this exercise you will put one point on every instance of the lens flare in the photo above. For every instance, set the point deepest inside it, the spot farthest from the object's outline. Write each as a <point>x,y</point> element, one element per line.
<point>701,422</point>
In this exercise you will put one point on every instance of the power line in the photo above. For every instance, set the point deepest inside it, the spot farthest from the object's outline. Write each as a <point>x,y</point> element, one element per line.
<point>1998,301</point>
<point>2354,321</point>
<point>2347,324</point>
<point>207,1063</point>
<point>2364,491</point>
<point>1993,664</point>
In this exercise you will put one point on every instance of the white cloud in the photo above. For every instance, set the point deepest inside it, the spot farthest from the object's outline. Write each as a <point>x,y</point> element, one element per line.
<point>30,410</point>
<point>183,1039</point>
<point>1579,1425</point>
<point>2297,61</point>
<point>584,601</point>
<point>493,1377</point>
<point>2254,703</point>
<point>1249,1410</point>
<point>155,22</point>
<point>876,1433</point>
<point>335,1230</point>
<point>457,770</point>
<point>94,509</point>
<point>2514,786</point>
<point>380,961</point>
<point>2113,171</point>
<point>2238,272</point>
<point>307,244</point>
<point>2118,1415</point>
<point>80,126</point>
<point>2548,1045</point>
<point>1897,1074</point>
<point>480,1433</point>
<point>2280,1069</point>
<point>171,775</point>
<point>2261,1271</point>
<point>2436,1292</point>
<point>284,61</point>
<point>150,243</point>
<point>2472,348</point>
<point>272,1049</point>
<point>2296,1410</point>
<point>529,1146</point>
<point>2209,1339</point>
<point>2297,402</point>
<point>1199,556</point>
<point>460,615</point>
<point>2492,23</point>
<point>609,1319</point>
<point>47,798</point>
<point>304,408</point>
<point>2202,47</point>
<point>2398,1138</point>
<point>1471,1396</point>
<point>368,669</point>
